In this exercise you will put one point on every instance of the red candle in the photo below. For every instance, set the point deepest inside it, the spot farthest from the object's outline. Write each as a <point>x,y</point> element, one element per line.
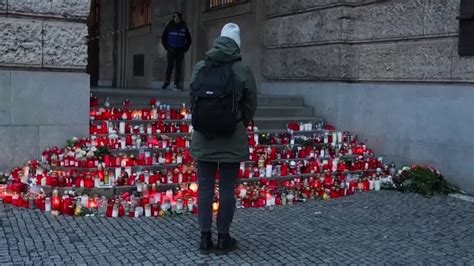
<point>284,169</point>
<point>107,160</point>
<point>55,202</point>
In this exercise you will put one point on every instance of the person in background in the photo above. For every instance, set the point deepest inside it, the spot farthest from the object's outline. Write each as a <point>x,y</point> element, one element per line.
<point>176,39</point>
<point>222,69</point>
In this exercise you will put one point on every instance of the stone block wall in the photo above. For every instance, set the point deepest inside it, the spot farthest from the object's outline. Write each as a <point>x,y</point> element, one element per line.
<point>399,81</point>
<point>393,40</point>
<point>44,34</point>
<point>44,92</point>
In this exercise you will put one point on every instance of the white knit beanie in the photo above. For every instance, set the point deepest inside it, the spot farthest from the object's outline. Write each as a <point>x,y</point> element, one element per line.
<point>232,31</point>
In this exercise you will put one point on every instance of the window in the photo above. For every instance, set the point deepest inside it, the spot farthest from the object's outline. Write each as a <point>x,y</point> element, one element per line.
<point>213,4</point>
<point>466,28</point>
<point>140,11</point>
<point>139,65</point>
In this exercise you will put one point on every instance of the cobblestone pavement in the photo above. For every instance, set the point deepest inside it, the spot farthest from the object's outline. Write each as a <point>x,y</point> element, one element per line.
<point>368,228</point>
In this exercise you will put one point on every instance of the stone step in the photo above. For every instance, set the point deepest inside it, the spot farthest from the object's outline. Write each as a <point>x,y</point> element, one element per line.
<point>286,111</point>
<point>136,151</point>
<point>155,167</point>
<point>262,110</point>
<point>269,131</point>
<point>263,123</point>
<point>142,97</point>
<point>266,123</point>
<point>118,190</point>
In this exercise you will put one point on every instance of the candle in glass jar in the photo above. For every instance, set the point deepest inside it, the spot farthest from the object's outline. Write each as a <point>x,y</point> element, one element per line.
<point>190,205</point>
<point>179,206</point>
<point>268,170</point>
<point>147,210</point>
<point>47,204</point>
<point>377,185</point>
<point>115,210</point>
<point>122,127</point>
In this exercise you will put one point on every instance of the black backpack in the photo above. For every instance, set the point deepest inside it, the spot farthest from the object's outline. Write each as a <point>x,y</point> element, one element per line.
<point>214,110</point>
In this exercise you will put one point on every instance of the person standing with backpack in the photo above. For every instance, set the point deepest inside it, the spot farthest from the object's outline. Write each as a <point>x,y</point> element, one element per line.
<point>223,102</point>
<point>176,39</point>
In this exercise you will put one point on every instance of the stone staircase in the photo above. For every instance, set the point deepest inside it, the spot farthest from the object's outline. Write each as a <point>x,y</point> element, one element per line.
<point>273,115</point>
<point>273,112</point>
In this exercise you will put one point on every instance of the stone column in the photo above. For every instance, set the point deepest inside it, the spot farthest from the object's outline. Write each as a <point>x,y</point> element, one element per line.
<point>44,91</point>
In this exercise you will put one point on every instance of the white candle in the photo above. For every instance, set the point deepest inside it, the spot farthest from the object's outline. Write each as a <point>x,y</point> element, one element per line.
<point>118,171</point>
<point>122,127</point>
<point>255,138</point>
<point>268,170</point>
<point>128,170</point>
<point>123,143</point>
<point>157,197</point>
<point>139,186</point>
<point>47,204</point>
<point>148,210</point>
<point>377,185</point>
<point>371,184</point>
<point>84,200</point>
<point>190,205</point>
<point>169,193</point>
<point>243,192</point>
<point>179,205</point>
<point>96,182</point>
<point>339,136</point>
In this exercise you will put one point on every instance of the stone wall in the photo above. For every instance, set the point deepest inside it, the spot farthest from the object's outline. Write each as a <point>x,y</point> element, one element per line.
<point>44,92</point>
<point>415,112</point>
<point>359,40</point>
<point>44,34</point>
<point>404,123</point>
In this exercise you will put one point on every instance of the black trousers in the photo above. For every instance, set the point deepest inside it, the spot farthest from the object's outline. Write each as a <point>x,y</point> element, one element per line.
<point>175,57</point>
<point>227,183</point>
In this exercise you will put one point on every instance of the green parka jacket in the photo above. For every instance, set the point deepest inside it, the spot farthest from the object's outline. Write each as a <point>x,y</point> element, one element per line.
<point>234,148</point>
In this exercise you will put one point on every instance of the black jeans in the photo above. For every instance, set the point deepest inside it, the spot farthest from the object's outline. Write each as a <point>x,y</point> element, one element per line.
<point>175,57</point>
<point>227,182</point>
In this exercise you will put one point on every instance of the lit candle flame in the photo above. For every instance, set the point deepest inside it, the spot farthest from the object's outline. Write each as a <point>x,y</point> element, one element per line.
<point>215,206</point>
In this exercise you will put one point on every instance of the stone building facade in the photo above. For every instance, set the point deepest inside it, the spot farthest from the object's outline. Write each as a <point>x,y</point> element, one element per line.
<point>44,90</point>
<point>388,70</point>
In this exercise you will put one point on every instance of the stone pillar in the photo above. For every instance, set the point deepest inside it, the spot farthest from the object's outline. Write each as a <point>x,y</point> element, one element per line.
<point>107,34</point>
<point>44,91</point>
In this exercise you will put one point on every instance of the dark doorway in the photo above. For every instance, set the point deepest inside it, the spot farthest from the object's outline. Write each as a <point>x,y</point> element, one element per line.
<point>93,23</point>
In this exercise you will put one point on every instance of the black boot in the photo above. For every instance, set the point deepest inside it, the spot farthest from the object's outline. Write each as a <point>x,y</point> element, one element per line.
<point>225,243</point>
<point>206,243</point>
